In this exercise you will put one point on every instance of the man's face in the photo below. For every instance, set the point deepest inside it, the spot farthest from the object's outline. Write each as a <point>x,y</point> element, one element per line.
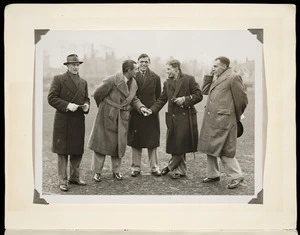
<point>132,73</point>
<point>73,68</point>
<point>218,68</point>
<point>171,72</point>
<point>144,63</point>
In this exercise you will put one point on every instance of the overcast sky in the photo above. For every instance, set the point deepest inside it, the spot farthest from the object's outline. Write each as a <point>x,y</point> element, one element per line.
<point>201,45</point>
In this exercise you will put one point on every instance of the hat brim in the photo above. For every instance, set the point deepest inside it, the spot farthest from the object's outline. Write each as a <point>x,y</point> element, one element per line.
<point>240,129</point>
<point>71,62</point>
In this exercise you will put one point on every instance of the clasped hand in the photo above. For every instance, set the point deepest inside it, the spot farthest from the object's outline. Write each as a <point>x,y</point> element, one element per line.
<point>73,107</point>
<point>146,112</point>
<point>179,101</point>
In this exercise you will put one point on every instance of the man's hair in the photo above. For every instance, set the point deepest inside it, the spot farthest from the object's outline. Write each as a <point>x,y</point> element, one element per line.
<point>127,64</point>
<point>224,60</point>
<point>143,56</point>
<point>174,64</point>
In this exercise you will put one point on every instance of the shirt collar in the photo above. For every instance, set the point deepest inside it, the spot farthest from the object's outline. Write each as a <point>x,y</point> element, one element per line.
<point>125,79</point>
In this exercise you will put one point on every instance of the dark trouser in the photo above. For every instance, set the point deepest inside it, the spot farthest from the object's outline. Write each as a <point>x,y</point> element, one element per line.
<point>75,161</point>
<point>177,164</point>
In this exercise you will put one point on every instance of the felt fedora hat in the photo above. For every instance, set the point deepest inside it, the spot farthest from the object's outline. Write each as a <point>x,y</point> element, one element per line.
<point>240,129</point>
<point>73,58</point>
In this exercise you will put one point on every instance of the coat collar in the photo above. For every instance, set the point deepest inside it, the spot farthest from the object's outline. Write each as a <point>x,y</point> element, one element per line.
<point>179,84</point>
<point>70,84</point>
<point>121,84</point>
<point>148,78</point>
<point>222,78</point>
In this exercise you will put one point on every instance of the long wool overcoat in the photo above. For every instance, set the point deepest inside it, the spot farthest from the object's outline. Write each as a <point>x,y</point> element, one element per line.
<point>114,100</point>
<point>69,127</point>
<point>226,103</point>
<point>182,128</point>
<point>144,132</point>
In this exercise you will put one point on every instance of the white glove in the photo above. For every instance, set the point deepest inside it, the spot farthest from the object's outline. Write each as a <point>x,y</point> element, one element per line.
<point>242,116</point>
<point>145,111</point>
<point>179,101</point>
<point>85,108</point>
<point>72,107</point>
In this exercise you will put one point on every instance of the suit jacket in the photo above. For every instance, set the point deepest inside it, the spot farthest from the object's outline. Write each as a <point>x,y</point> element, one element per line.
<point>182,134</point>
<point>144,132</point>
<point>109,131</point>
<point>226,103</point>
<point>69,127</point>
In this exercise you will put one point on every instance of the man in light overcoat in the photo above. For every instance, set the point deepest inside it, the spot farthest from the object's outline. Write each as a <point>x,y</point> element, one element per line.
<point>182,92</point>
<point>68,94</point>
<point>226,103</point>
<point>115,97</point>
<point>144,132</point>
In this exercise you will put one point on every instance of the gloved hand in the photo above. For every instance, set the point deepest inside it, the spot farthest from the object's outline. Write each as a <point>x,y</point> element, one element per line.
<point>179,101</point>
<point>72,107</point>
<point>145,111</point>
<point>85,107</point>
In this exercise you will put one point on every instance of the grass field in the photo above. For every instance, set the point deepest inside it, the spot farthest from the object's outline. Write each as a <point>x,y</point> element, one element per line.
<point>147,184</point>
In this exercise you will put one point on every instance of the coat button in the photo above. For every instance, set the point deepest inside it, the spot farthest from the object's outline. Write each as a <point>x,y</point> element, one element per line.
<point>173,115</point>
<point>208,113</point>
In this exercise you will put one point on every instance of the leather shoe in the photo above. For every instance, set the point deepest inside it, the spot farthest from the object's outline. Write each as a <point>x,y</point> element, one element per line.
<point>176,176</point>
<point>165,171</point>
<point>97,177</point>
<point>118,176</point>
<point>78,182</point>
<point>210,180</point>
<point>135,173</point>
<point>156,173</point>
<point>235,183</point>
<point>63,187</point>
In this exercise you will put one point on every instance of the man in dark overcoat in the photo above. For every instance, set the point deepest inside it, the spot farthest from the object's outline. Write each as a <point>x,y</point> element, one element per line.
<point>115,97</point>
<point>144,132</point>
<point>182,92</point>
<point>225,105</point>
<point>68,94</point>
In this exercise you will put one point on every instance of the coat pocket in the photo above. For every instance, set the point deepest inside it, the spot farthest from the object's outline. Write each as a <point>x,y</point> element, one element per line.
<point>125,115</point>
<point>224,112</point>
<point>169,121</point>
<point>223,118</point>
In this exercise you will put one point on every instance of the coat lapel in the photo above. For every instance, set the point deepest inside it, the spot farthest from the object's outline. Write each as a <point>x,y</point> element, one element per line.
<point>147,79</point>
<point>179,84</point>
<point>221,79</point>
<point>69,83</point>
<point>121,85</point>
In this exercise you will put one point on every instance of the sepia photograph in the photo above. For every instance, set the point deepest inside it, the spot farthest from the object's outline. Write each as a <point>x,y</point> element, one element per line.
<point>148,116</point>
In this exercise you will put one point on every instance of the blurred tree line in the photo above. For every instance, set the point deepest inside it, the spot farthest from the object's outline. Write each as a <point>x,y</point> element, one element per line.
<point>95,68</point>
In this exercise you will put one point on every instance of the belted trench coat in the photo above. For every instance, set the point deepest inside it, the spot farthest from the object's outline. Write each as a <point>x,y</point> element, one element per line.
<point>114,100</point>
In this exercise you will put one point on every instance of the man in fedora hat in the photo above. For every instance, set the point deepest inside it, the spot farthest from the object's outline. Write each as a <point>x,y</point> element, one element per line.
<point>225,105</point>
<point>68,94</point>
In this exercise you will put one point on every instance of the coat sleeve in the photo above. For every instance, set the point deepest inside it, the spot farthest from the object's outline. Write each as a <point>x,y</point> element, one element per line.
<point>54,96</point>
<point>136,104</point>
<point>195,93</point>
<point>103,89</point>
<point>86,98</point>
<point>239,96</point>
<point>158,88</point>
<point>162,100</point>
<point>207,81</point>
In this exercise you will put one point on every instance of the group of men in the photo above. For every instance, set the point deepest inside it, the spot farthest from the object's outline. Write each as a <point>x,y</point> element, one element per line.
<point>128,106</point>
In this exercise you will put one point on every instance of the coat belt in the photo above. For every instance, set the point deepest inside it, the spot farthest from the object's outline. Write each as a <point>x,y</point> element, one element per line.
<point>124,107</point>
